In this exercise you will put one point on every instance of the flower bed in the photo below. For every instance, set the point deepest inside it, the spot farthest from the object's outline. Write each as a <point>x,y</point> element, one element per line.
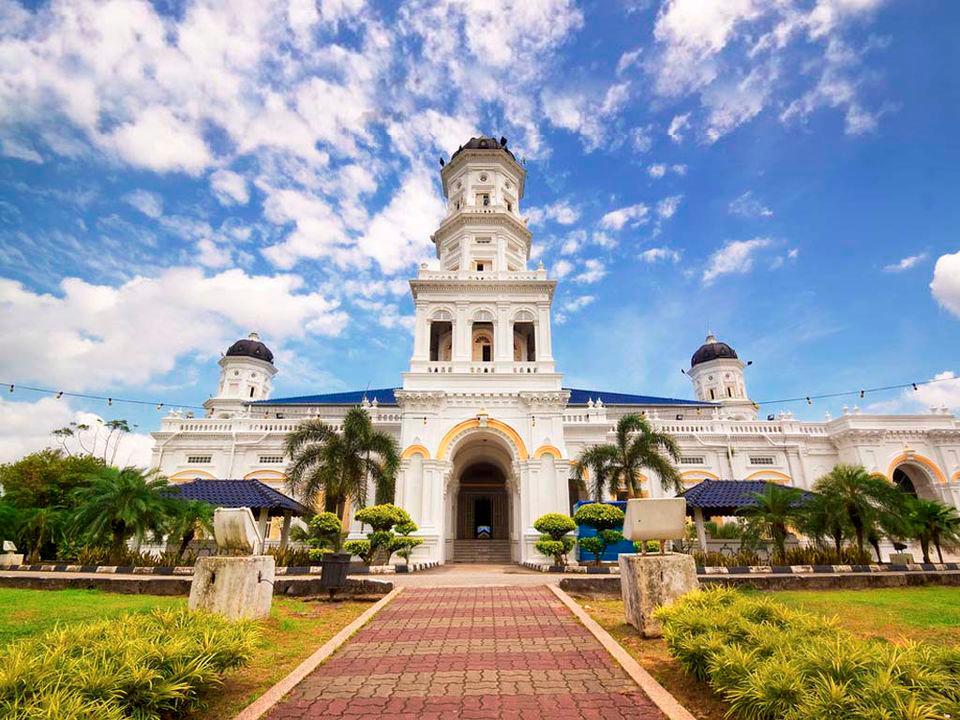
<point>769,662</point>
<point>146,666</point>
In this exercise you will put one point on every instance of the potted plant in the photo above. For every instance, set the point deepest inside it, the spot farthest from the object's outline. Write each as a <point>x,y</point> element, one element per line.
<point>603,519</point>
<point>325,537</point>
<point>555,541</point>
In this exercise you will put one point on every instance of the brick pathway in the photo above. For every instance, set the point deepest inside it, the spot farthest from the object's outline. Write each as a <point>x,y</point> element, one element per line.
<point>472,653</point>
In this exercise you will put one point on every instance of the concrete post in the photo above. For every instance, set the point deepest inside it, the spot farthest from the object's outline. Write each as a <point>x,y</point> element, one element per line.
<point>701,530</point>
<point>262,525</point>
<point>285,531</point>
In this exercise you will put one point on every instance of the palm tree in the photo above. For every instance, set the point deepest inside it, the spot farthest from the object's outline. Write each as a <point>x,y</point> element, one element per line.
<point>933,522</point>
<point>41,525</point>
<point>593,464</point>
<point>822,517</point>
<point>337,465</point>
<point>866,498</point>
<point>117,504</point>
<point>189,517</point>
<point>637,446</point>
<point>777,509</point>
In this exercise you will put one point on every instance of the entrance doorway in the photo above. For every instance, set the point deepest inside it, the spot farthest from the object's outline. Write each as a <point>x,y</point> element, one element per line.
<point>483,504</point>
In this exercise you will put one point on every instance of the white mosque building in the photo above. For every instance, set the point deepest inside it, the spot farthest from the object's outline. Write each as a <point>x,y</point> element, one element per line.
<point>486,426</point>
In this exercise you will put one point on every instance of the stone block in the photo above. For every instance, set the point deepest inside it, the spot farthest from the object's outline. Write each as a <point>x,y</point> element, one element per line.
<point>655,519</point>
<point>11,558</point>
<point>235,587</point>
<point>901,558</point>
<point>236,531</point>
<point>650,581</point>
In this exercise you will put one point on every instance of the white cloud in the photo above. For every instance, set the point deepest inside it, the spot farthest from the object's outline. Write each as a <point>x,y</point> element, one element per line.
<point>562,268</point>
<point>593,271</point>
<point>25,427</point>
<point>14,148</point>
<point>946,282</point>
<point>571,306</point>
<point>632,214</point>
<point>667,207</point>
<point>905,263</point>
<point>150,204</point>
<point>748,206</point>
<point>657,170</point>
<point>641,138</point>
<point>586,115</point>
<point>561,212</point>
<point>93,336</point>
<point>944,392</point>
<point>230,187</point>
<point>628,59</point>
<point>158,140</point>
<point>660,254</point>
<point>677,127</point>
<point>736,256</point>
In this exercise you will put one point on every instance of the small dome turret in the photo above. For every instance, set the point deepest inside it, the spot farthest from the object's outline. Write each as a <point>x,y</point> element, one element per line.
<point>251,346</point>
<point>712,349</point>
<point>484,143</point>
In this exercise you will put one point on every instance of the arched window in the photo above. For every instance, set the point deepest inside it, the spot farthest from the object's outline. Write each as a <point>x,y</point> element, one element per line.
<point>482,343</point>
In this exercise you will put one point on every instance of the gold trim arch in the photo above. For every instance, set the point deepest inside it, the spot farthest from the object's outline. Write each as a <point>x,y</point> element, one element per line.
<point>188,475</point>
<point>925,462</point>
<point>415,449</point>
<point>265,475</point>
<point>778,476</point>
<point>689,476</point>
<point>511,434</point>
<point>547,450</point>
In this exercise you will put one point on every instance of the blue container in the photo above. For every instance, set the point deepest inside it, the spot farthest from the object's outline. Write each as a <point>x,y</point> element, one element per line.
<point>613,551</point>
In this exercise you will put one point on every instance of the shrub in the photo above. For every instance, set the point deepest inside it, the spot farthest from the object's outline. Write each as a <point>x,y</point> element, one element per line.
<point>290,556</point>
<point>157,667</point>
<point>554,542</point>
<point>555,525</point>
<point>325,531</point>
<point>602,518</point>
<point>382,540</point>
<point>770,662</point>
<point>403,544</point>
<point>599,516</point>
<point>382,517</point>
<point>360,548</point>
<point>557,549</point>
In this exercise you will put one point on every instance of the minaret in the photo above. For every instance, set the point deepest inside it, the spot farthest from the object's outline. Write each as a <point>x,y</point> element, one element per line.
<point>483,314</point>
<point>717,376</point>
<point>246,371</point>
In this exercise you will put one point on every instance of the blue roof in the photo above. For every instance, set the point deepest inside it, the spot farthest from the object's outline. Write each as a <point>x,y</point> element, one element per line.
<point>385,396</point>
<point>580,397</point>
<point>725,497</point>
<point>252,494</point>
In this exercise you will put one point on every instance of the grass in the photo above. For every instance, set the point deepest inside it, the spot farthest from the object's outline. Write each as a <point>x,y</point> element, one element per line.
<point>294,630</point>
<point>930,614</point>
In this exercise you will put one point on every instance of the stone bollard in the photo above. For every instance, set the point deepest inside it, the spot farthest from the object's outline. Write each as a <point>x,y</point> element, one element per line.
<point>650,581</point>
<point>235,587</point>
<point>10,556</point>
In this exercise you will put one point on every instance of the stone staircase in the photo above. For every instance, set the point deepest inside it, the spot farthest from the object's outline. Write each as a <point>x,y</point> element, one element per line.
<point>482,551</point>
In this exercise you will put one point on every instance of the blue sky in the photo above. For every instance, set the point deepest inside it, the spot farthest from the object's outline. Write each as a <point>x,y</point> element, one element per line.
<point>174,175</point>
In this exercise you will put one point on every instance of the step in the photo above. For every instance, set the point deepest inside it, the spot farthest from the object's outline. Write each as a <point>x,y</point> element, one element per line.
<point>482,551</point>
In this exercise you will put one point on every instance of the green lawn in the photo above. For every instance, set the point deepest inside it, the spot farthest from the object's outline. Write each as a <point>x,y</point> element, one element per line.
<point>930,614</point>
<point>29,612</point>
<point>293,631</point>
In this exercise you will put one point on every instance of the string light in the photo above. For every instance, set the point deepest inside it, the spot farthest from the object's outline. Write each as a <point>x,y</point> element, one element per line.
<point>826,396</point>
<point>86,396</point>
<point>59,394</point>
<point>809,401</point>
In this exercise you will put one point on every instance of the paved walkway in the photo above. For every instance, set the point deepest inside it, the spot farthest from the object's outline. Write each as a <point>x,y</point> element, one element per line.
<point>472,653</point>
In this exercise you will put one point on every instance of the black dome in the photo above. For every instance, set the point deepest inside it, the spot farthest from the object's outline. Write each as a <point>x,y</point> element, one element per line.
<point>712,349</point>
<point>484,143</point>
<point>250,347</point>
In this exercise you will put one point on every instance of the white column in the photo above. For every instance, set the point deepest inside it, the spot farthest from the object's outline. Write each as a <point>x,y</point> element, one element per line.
<point>701,530</point>
<point>544,342</point>
<point>285,530</point>
<point>262,524</point>
<point>421,334</point>
<point>503,335</point>
<point>462,331</point>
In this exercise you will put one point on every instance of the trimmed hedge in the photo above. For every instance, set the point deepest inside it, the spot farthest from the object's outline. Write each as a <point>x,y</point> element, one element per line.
<point>147,666</point>
<point>772,663</point>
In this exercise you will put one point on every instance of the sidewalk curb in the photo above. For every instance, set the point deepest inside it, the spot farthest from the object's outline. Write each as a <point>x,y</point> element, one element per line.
<point>275,694</point>
<point>667,703</point>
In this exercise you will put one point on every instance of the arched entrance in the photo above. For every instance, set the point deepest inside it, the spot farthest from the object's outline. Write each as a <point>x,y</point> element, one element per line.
<point>914,480</point>
<point>482,502</point>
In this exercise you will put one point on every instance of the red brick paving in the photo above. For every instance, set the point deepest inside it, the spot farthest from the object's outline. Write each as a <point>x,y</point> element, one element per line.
<point>472,653</point>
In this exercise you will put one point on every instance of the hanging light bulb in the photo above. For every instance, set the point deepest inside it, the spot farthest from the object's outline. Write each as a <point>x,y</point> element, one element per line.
<point>159,406</point>
<point>109,401</point>
<point>809,401</point>
<point>59,394</point>
<point>914,386</point>
<point>11,388</point>
<point>861,394</point>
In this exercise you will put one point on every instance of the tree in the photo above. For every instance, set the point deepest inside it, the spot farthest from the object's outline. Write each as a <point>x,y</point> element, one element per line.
<point>934,522</point>
<point>593,463</point>
<point>866,498</point>
<point>637,447</point>
<point>823,517</point>
<point>188,517</point>
<point>39,527</point>
<point>118,504</point>
<point>777,509</point>
<point>46,478</point>
<point>555,540</point>
<point>337,465</point>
